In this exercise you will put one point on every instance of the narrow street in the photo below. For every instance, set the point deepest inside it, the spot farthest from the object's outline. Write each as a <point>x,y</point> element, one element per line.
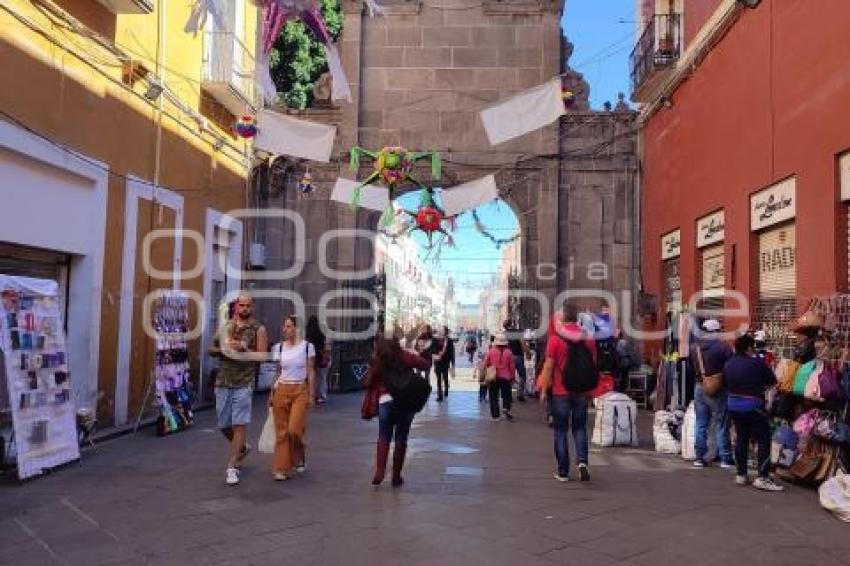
<point>476,492</point>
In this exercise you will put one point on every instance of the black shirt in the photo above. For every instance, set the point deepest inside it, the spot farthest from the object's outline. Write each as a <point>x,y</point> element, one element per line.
<point>516,347</point>
<point>747,376</point>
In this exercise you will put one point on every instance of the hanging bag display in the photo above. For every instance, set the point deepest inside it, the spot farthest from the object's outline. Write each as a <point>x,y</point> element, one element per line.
<point>805,423</point>
<point>802,377</point>
<point>711,384</point>
<point>812,389</point>
<point>785,373</point>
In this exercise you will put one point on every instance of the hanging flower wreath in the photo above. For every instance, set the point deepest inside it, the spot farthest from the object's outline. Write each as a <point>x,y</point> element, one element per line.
<point>482,229</point>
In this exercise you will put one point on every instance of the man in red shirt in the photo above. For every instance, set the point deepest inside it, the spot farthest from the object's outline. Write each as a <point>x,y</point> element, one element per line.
<point>569,409</point>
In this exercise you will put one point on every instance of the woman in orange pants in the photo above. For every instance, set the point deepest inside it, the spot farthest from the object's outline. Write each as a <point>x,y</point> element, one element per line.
<point>292,395</point>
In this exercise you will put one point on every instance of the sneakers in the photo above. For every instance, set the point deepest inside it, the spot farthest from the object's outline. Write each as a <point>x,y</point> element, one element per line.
<point>301,467</point>
<point>561,478</point>
<point>767,484</point>
<point>246,449</point>
<point>232,477</point>
<point>740,480</point>
<point>280,476</point>
<point>727,465</point>
<point>699,464</point>
<point>508,415</point>
<point>584,475</point>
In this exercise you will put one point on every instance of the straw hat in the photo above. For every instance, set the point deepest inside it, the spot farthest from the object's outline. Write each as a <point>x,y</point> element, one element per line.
<point>808,321</point>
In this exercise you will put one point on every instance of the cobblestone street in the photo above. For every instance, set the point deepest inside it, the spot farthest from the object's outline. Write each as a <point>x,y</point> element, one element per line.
<point>476,492</point>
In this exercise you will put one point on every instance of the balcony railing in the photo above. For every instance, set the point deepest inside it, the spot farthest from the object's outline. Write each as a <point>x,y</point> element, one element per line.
<point>656,51</point>
<point>228,71</point>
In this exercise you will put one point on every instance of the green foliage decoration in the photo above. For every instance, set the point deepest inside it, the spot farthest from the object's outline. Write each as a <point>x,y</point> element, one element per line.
<point>297,59</point>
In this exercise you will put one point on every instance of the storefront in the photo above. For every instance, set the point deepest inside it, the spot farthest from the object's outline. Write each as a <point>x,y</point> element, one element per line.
<point>712,262</point>
<point>671,248</point>
<point>772,214</point>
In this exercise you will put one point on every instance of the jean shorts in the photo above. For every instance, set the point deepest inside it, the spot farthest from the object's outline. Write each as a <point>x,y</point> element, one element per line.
<point>233,406</point>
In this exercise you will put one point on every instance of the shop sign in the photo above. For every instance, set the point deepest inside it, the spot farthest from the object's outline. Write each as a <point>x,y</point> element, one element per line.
<point>777,262</point>
<point>844,175</point>
<point>774,204</point>
<point>711,229</point>
<point>671,244</point>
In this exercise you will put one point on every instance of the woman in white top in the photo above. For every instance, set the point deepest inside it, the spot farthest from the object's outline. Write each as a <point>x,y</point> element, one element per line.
<point>292,395</point>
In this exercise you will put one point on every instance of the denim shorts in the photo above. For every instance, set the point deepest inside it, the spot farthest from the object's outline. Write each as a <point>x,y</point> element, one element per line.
<point>233,406</point>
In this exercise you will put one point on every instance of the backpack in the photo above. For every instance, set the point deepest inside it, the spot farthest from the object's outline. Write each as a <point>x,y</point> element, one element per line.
<point>606,353</point>
<point>409,391</point>
<point>580,372</point>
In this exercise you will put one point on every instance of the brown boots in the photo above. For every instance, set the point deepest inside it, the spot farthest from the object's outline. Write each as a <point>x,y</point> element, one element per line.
<point>398,463</point>
<point>381,456</point>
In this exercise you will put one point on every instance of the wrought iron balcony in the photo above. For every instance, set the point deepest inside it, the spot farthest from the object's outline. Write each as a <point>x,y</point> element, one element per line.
<point>657,50</point>
<point>228,72</point>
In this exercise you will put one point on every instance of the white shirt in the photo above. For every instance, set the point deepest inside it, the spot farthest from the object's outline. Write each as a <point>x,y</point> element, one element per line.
<point>292,361</point>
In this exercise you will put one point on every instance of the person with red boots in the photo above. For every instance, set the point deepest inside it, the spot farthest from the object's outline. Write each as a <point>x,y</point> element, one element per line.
<point>393,422</point>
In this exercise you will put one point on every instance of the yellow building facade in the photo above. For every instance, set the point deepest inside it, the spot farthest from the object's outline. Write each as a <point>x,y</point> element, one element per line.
<point>115,137</point>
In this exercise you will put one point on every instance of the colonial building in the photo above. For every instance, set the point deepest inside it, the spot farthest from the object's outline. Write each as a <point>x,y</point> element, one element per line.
<point>115,136</point>
<point>420,76</point>
<point>744,154</point>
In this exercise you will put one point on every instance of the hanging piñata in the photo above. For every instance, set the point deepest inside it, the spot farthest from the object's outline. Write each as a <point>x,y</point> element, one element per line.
<point>393,166</point>
<point>246,127</point>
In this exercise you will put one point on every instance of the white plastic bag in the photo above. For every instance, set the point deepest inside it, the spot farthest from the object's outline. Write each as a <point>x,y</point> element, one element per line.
<point>268,437</point>
<point>834,495</point>
<point>665,442</point>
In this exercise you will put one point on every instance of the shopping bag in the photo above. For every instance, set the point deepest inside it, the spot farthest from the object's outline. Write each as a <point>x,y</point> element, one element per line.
<point>268,436</point>
<point>835,496</point>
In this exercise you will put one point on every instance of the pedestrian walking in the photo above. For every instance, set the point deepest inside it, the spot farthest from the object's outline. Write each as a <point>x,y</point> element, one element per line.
<point>747,380</point>
<point>707,358</point>
<point>292,395</point>
<point>241,345</point>
<point>443,361</point>
<point>519,350</point>
<point>570,373</point>
<point>427,347</point>
<point>471,346</point>
<point>499,370</point>
<point>393,421</point>
<point>321,345</point>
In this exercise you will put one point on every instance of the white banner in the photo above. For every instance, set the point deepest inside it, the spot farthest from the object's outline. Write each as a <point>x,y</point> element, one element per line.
<point>371,196</point>
<point>284,135</point>
<point>469,195</point>
<point>525,112</point>
<point>37,376</point>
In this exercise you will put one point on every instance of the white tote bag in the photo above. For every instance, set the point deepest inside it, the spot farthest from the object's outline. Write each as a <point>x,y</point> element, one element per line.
<point>835,495</point>
<point>268,437</point>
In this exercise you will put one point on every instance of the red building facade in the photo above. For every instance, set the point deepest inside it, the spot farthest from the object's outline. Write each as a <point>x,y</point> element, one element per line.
<point>744,152</point>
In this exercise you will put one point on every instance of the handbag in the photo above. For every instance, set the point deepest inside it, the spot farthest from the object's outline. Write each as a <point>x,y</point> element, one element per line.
<point>268,438</point>
<point>785,372</point>
<point>811,390</point>
<point>490,374</point>
<point>711,384</point>
<point>805,423</point>
<point>802,376</point>
<point>828,383</point>
<point>834,495</point>
<point>369,407</point>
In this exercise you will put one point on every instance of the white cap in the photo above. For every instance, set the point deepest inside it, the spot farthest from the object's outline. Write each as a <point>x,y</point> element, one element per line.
<point>711,325</point>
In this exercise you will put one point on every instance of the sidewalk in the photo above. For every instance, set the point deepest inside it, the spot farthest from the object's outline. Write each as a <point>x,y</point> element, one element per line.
<point>476,492</point>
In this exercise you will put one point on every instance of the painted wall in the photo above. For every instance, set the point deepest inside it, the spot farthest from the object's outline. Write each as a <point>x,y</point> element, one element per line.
<point>78,100</point>
<point>768,102</point>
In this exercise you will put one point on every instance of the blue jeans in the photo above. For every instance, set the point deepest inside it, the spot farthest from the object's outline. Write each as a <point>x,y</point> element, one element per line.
<point>392,423</point>
<point>519,362</point>
<point>707,407</point>
<point>569,411</point>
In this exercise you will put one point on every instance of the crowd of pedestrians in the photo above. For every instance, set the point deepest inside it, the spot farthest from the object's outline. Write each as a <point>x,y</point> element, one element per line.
<point>580,348</point>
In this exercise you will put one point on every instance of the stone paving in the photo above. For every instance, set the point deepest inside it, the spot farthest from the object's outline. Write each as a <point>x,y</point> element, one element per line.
<point>476,492</point>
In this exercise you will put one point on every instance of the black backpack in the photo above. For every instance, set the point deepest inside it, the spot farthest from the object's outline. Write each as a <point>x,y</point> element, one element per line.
<point>580,372</point>
<point>409,391</point>
<point>606,352</point>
